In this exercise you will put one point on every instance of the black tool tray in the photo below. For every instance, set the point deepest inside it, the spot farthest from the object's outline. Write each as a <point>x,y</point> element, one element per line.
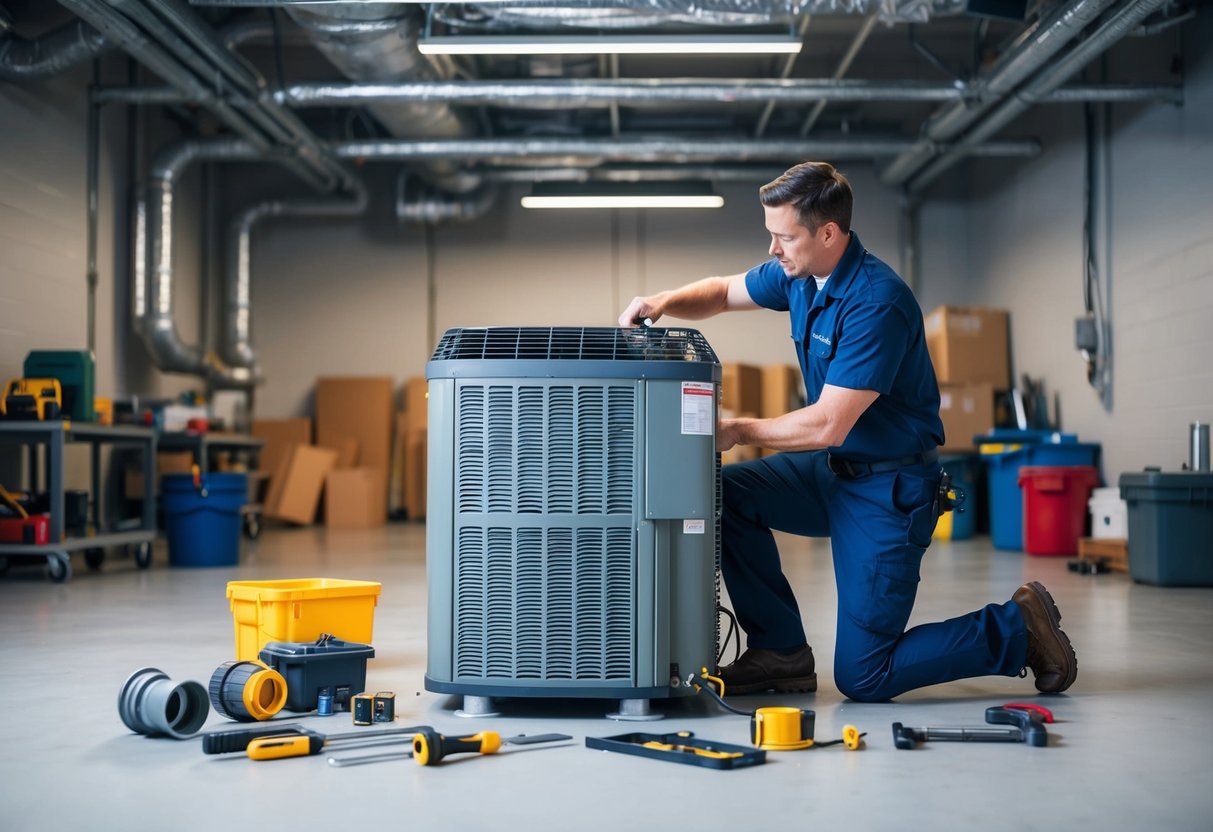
<point>685,751</point>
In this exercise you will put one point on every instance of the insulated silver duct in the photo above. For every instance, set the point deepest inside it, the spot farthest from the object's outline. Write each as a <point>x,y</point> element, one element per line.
<point>1034,50</point>
<point>606,14</point>
<point>1119,24</point>
<point>153,298</point>
<point>50,54</point>
<point>237,277</point>
<point>427,208</point>
<point>378,42</point>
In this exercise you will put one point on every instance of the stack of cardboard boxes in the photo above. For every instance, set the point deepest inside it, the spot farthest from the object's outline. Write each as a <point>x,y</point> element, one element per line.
<point>969,348</point>
<point>412,438</point>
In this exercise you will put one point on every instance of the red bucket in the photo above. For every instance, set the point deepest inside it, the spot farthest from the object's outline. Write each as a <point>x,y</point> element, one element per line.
<point>1055,506</point>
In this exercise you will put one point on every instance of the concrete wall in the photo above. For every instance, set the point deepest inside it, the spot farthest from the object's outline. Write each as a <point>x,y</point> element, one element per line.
<point>1026,249</point>
<point>337,297</point>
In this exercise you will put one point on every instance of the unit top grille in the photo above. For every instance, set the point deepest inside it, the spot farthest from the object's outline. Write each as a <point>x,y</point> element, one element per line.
<point>574,344</point>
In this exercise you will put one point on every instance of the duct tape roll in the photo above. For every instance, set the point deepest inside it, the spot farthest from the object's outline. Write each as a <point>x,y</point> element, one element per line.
<point>247,691</point>
<point>782,729</point>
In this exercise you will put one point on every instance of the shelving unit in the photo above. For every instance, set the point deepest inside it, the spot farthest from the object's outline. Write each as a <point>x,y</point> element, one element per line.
<point>55,436</point>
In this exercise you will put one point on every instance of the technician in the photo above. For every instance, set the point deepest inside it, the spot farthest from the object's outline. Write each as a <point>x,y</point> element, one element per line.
<point>862,469</point>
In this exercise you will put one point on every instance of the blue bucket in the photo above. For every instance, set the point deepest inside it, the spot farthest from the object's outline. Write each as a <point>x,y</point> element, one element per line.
<point>203,531</point>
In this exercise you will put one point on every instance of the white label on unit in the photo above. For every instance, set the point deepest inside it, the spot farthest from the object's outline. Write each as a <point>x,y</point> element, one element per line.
<point>698,398</point>
<point>693,526</point>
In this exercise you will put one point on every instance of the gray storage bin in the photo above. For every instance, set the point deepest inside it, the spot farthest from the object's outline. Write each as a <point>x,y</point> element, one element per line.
<point>1170,527</point>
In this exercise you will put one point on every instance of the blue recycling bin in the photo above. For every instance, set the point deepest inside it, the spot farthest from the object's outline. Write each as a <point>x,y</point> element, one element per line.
<point>202,521</point>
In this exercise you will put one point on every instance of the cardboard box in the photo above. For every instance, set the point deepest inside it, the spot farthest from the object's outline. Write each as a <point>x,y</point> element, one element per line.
<point>347,451</point>
<point>741,388</point>
<point>415,472</point>
<point>353,499</point>
<point>1112,552</point>
<point>279,435</point>
<point>966,410</point>
<point>296,486</point>
<point>358,407</point>
<point>968,345</point>
<point>416,402</point>
<point>782,390</point>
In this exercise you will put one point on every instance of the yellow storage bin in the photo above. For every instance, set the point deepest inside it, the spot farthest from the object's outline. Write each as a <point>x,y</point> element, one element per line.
<point>300,610</point>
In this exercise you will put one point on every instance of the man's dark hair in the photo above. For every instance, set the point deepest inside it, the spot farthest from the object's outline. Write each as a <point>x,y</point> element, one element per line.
<point>817,191</point>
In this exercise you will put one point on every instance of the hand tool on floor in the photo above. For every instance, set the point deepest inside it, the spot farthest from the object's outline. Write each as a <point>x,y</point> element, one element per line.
<point>430,747</point>
<point>521,739</point>
<point>1029,729</point>
<point>681,747</point>
<point>1045,714</point>
<point>1031,724</point>
<point>309,744</point>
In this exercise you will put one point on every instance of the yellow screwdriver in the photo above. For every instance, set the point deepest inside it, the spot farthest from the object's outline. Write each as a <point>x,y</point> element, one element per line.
<point>306,745</point>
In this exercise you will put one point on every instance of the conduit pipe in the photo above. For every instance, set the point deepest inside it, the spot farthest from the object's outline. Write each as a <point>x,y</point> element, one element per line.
<point>1034,50</point>
<point>237,277</point>
<point>1118,25</point>
<point>574,151</point>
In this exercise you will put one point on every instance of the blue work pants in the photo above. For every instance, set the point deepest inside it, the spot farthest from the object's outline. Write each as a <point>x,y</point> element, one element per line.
<point>879,526</point>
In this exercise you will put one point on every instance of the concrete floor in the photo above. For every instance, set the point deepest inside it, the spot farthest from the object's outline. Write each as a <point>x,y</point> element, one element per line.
<point>1132,744</point>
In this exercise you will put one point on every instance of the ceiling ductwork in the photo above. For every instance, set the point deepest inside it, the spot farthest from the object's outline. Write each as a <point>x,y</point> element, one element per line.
<point>24,59</point>
<point>237,277</point>
<point>377,42</point>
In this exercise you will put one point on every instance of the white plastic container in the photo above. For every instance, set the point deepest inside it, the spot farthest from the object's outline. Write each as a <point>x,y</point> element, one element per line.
<point>1109,514</point>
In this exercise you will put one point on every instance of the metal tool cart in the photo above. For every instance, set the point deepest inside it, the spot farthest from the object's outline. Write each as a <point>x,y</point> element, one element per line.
<point>55,435</point>
<point>204,443</point>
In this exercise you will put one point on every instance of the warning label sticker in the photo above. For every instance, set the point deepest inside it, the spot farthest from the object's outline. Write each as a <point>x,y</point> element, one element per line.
<point>693,526</point>
<point>697,400</point>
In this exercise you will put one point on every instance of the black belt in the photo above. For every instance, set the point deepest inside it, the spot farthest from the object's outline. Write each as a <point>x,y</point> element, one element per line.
<point>849,470</point>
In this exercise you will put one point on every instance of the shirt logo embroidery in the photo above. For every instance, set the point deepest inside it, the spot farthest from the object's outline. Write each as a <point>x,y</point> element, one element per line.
<point>821,338</point>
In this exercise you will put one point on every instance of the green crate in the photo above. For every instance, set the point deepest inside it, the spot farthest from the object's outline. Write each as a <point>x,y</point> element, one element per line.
<point>77,373</point>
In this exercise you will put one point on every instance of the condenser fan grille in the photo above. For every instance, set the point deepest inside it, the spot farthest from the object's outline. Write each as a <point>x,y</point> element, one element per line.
<point>573,343</point>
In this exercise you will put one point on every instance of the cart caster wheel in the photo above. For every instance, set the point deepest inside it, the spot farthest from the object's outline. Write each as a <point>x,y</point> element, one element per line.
<point>252,526</point>
<point>59,568</point>
<point>94,558</point>
<point>142,553</point>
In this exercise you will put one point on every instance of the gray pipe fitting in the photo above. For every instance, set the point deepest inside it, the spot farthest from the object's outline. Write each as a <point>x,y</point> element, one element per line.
<point>151,703</point>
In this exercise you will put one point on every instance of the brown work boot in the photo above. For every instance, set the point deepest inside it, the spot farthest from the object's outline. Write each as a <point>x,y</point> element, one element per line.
<point>759,670</point>
<point>1050,654</point>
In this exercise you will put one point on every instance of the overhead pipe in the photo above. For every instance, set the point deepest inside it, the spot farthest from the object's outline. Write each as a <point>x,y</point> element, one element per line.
<point>789,62</point>
<point>31,59</point>
<point>650,150</point>
<point>844,66</point>
<point>1035,49</point>
<point>1119,24</point>
<point>567,93</point>
<point>237,348</point>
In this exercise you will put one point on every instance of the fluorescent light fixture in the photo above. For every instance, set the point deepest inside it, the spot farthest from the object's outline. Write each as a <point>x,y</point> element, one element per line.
<point>612,45</point>
<point>622,195</point>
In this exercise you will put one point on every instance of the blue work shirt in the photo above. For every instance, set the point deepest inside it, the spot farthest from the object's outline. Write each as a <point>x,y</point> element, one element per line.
<point>863,331</point>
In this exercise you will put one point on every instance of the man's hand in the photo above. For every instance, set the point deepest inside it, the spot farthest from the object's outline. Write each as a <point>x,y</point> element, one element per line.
<point>638,310</point>
<point>727,434</point>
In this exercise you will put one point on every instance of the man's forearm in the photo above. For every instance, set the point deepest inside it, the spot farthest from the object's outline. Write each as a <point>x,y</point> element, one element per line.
<point>695,301</point>
<point>806,429</point>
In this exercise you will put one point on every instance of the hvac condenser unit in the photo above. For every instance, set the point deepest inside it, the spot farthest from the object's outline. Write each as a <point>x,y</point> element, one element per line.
<point>572,528</point>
